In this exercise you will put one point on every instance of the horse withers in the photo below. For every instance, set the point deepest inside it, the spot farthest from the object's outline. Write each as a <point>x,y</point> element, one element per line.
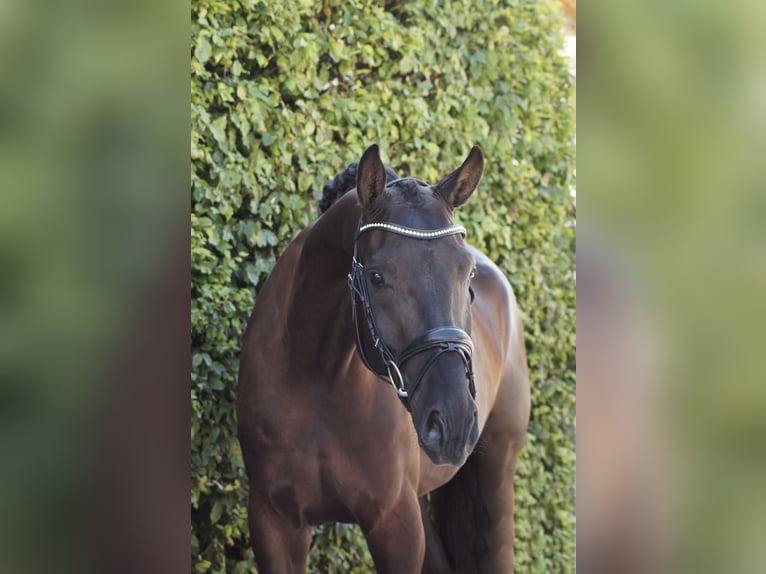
<point>384,361</point>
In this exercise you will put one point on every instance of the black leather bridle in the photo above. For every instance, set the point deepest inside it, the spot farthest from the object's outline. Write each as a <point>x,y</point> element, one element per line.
<point>442,339</point>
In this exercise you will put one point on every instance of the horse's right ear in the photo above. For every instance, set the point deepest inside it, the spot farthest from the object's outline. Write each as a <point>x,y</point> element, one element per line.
<point>370,176</point>
<point>458,186</point>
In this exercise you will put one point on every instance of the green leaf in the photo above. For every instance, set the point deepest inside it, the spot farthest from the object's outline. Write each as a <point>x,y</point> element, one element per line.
<point>218,129</point>
<point>202,51</point>
<point>216,512</point>
<point>267,139</point>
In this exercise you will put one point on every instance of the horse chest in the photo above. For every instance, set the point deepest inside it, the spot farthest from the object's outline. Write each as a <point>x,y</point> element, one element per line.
<point>328,466</point>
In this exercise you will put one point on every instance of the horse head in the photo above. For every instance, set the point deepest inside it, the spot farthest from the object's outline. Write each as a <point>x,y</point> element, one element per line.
<point>412,300</point>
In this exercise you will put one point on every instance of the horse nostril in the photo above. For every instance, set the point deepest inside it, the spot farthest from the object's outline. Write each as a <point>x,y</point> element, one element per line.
<point>434,428</point>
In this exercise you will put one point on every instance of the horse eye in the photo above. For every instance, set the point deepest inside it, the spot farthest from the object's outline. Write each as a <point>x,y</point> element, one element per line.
<point>376,278</point>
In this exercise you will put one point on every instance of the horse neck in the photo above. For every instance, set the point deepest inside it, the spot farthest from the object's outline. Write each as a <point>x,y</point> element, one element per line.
<point>320,315</point>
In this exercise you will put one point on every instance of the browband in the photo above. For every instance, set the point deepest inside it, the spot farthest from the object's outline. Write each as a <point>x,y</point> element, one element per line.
<point>410,232</point>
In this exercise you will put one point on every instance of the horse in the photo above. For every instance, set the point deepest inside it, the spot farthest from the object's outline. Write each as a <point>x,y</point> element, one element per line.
<point>383,381</point>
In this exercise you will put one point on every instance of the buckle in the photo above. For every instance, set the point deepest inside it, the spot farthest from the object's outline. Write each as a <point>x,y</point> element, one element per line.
<point>399,389</point>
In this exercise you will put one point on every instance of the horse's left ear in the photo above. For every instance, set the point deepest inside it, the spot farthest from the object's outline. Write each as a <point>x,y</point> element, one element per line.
<point>458,186</point>
<point>370,176</point>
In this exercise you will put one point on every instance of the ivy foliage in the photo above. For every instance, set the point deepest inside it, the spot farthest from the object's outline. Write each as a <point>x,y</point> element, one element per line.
<point>286,94</point>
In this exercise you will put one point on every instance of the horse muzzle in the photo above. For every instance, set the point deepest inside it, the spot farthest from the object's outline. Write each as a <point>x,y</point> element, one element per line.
<point>447,439</point>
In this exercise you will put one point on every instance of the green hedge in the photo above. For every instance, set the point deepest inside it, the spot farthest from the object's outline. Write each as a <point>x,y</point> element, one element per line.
<point>284,95</point>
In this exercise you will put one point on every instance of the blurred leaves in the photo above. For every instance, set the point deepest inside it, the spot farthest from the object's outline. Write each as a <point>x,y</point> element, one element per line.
<point>285,95</point>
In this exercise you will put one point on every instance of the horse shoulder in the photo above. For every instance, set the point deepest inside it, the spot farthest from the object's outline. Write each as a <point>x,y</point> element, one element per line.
<point>502,330</point>
<point>494,309</point>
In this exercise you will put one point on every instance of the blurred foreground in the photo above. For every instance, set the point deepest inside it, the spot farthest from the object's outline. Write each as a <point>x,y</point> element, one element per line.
<point>672,287</point>
<point>94,309</point>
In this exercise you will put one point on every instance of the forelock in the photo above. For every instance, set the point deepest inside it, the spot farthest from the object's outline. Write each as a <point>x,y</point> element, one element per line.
<point>408,191</point>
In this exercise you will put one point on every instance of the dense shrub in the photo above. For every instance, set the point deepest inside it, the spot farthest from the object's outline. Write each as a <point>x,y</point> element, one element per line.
<point>284,95</point>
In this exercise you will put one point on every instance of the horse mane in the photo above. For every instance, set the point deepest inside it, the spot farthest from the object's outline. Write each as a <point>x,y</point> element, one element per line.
<point>341,183</point>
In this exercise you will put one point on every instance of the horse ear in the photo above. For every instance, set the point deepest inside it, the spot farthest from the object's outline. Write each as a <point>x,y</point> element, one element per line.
<point>458,186</point>
<point>370,176</point>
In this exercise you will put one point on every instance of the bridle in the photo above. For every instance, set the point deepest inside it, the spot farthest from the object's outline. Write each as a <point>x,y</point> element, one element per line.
<point>441,339</point>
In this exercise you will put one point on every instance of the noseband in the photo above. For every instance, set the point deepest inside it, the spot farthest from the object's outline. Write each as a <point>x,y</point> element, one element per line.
<point>442,339</point>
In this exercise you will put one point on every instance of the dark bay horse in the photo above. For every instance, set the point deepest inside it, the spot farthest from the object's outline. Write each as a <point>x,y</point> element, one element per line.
<point>382,287</point>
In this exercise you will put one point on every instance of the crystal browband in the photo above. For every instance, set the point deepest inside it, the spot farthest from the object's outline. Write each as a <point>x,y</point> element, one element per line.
<point>416,233</point>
